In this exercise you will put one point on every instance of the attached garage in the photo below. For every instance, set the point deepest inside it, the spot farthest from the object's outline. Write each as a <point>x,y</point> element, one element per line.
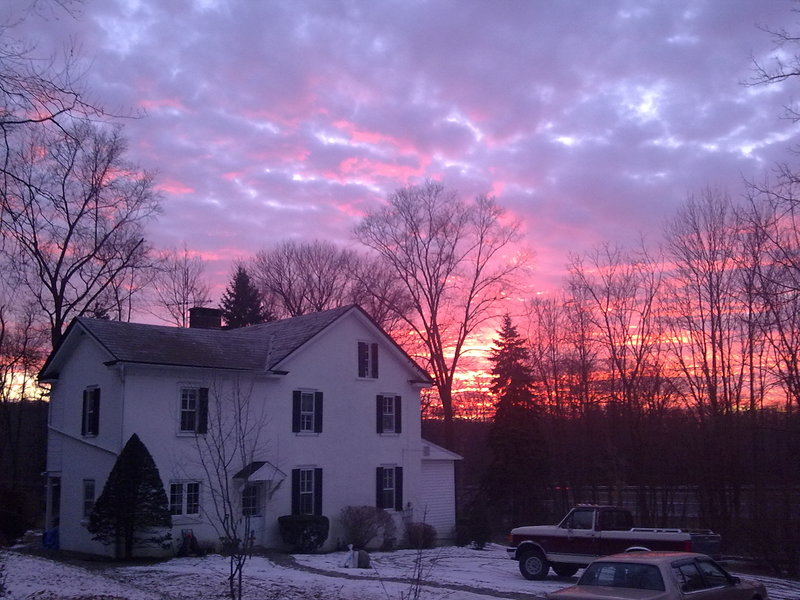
<point>438,490</point>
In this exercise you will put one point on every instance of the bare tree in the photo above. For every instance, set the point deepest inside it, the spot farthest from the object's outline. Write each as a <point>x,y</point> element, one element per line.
<point>303,277</point>
<point>382,296</point>
<point>448,255</point>
<point>785,63</point>
<point>125,296</point>
<point>227,452</point>
<point>73,209</point>
<point>178,285</point>
<point>546,338</point>
<point>34,89</point>
<point>704,313</point>
<point>708,333</point>
<point>622,288</point>
<point>773,278</point>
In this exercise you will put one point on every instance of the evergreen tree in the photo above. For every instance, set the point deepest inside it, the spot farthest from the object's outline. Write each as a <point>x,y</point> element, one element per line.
<point>241,303</point>
<point>518,467</point>
<point>133,510</point>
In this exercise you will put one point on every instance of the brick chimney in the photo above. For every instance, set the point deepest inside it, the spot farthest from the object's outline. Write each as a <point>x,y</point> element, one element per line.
<point>201,317</point>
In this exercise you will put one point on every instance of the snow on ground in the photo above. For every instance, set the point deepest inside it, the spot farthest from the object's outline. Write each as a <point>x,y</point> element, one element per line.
<point>451,572</point>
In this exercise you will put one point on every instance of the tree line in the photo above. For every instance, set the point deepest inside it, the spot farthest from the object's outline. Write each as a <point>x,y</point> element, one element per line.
<point>659,374</point>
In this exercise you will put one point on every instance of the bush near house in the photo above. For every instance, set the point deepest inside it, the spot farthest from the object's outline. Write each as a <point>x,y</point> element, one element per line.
<point>421,535</point>
<point>304,533</point>
<point>362,524</point>
<point>12,526</point>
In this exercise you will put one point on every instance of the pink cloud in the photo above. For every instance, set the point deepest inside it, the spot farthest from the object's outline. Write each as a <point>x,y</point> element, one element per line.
<point>174,187</point>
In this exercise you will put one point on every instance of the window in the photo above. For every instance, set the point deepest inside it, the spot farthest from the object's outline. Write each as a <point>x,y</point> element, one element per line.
<point>307,491</point>
<point>90,418</point>
<point>194,410</point>
<point>184,498</point>
<point>712,573</point>
<point>626,575</point>
<point>388,414</point>
<point>701,574</point>
<point>367,360</point>
<point>579,519</point>
<point>306,412</point>
<point>615,520</point>
<point>689,577</point>
<point>251,499</point>
<point>389,488</point>
<point>88,497</point>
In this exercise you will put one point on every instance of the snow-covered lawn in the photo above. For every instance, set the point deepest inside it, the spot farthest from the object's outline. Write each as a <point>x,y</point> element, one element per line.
<point>451,572</point>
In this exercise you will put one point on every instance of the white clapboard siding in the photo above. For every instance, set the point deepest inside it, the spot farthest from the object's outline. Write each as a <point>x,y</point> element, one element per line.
<point>438,490</point>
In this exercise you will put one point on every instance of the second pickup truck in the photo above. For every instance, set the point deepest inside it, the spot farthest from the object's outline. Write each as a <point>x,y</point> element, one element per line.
<point>590,531</point>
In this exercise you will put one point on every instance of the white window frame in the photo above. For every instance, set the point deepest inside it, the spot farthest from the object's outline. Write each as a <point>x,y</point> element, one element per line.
<point>252,498</point>
<point>90,409</point>
<point>183,497</point>
<point>189,394</point>
<point>307,417</point>
<point>372,358</point>
<point>389,418</point>
<point>306,492</point>
<point>389,486</point>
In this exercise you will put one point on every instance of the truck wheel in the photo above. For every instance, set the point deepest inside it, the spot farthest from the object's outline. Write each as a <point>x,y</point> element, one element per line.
<point>565,569</point>
<point>533,565</point>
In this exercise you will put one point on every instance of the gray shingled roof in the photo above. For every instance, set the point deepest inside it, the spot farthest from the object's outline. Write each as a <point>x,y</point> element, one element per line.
<point>258,347</point>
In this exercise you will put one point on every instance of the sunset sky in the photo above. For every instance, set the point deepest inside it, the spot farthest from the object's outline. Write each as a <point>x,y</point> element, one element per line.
<point>589,120</point>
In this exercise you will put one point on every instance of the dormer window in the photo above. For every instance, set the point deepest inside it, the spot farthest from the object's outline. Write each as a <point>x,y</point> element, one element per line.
<point>367,360</point>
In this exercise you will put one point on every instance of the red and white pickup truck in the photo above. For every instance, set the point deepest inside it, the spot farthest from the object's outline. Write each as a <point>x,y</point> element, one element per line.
<point>590,531</point>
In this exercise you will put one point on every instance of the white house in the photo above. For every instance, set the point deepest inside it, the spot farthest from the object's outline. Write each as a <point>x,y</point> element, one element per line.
<point>333,401</point>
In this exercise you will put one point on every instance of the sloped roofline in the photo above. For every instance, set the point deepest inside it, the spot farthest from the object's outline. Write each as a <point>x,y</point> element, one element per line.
<point>424,379</point>
<point>101,332</point>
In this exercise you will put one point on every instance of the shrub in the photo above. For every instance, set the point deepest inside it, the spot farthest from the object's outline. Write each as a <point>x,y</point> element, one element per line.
<point>12,526</point>
<point>362,524</point>
<point>304,533</point>
<point>474,527</point>
<point>421,535</point>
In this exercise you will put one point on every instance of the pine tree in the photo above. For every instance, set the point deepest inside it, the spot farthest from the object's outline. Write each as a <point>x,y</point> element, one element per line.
<point>133,510</point>
<point>241,303</point>
<point>519,465</point>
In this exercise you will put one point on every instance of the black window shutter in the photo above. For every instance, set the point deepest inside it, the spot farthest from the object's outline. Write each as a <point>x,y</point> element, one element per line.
<point>363,352</point>
<point>94,426</point>
<point>202,410</point>
<point>295,491</point>
<point>296,394</point>
<point>84,411</point>
<point>379,410</point>
<point>374,358</point>
<point>398,488</point>
<point>379,487</point>
<point>318,491</point>
<point>398,415</point>
<point>318,412</point>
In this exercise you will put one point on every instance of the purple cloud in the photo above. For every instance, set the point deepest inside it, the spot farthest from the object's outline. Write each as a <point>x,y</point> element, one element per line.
<point>267,120</point>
